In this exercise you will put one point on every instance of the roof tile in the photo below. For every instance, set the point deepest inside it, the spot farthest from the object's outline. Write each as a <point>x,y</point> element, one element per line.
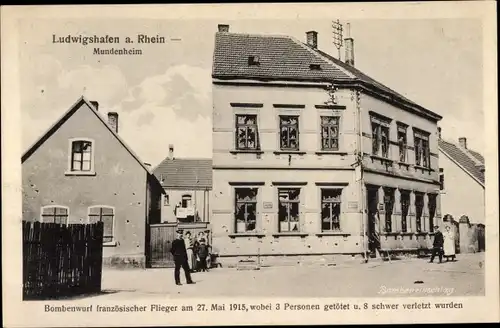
<point>459,155</point>
<point>185,173</point>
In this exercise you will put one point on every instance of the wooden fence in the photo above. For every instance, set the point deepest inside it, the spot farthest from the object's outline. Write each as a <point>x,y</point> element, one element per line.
<point>61,260</point>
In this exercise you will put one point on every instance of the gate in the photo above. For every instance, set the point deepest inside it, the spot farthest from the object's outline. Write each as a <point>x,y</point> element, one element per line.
<point>161,238</point>
<point>162,235</point>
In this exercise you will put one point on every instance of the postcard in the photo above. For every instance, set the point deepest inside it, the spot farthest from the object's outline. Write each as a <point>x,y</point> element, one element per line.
<point>246,164</point>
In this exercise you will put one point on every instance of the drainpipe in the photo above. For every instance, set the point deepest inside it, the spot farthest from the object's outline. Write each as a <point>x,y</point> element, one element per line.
<point>360,163</point>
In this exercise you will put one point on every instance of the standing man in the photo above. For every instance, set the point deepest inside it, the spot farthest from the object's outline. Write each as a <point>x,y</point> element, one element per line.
<point>178,250</point>
<point>437,246</point>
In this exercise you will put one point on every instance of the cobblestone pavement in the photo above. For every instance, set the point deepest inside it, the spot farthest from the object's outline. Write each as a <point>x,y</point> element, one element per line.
<point>407,277</point>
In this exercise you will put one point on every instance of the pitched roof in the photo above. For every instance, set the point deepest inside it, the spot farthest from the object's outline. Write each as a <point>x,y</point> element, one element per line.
<point>185,173</point>
<point>58,123</point>
<point>286,58</point>
<point>470,161</point>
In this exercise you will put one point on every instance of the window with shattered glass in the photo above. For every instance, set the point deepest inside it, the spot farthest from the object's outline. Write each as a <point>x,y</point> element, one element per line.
<point>289,132</point>
<point>419,207</point>
<point>405,206</point>
<point>380,137</point>
<point>247,132</point>
<point>330,133</point>
<point>389,207</point>
<point>422,151</point>
<point>330,209</point>
<point>81,155</point>
<point>432,211</point>
<point>246,209</point>
<point>402,143</point>
<point>288,211</point>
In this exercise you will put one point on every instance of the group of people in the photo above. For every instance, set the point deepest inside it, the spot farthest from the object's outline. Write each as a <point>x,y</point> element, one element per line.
<point>191,254</point>
<point>444,244</point>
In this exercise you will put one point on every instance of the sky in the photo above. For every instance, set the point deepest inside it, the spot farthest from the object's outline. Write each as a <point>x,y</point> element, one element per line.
<point>164,96</point>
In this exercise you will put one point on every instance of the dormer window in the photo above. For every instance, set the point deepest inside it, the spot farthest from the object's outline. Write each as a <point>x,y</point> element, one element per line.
<point>253,61</point>
<point>315,67</point>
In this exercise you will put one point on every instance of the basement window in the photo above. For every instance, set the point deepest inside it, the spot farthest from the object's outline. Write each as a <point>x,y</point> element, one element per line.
<point>315,67</point>
<point>253,61</point>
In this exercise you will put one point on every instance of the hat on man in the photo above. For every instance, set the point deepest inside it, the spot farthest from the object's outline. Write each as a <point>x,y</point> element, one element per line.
<point>436,227</point>
<point>179,231</point>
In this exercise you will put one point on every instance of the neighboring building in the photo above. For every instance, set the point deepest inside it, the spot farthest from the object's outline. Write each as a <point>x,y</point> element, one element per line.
<point>187,184</point>
<point>462,181</point>
<point>81,171</point>
<point>286,178</point>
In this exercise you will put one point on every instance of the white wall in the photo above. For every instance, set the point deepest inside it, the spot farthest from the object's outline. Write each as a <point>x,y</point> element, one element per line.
<point>462,195</point>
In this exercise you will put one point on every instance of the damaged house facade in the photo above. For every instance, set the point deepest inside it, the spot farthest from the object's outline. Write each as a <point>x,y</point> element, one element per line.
<point>81,171</point>
<point>311,157</point>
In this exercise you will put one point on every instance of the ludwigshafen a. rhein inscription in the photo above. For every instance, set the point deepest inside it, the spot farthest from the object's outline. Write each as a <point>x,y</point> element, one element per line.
<point>85,40</point>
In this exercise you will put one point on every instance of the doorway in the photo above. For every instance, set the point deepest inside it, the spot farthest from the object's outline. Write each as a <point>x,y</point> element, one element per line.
<point>372,228</point>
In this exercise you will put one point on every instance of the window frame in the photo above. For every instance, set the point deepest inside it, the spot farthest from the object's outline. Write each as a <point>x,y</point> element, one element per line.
<point>382,124</point>
<point>442,188</point>
<point>295,201</point>
<point>297,127</point>
<point>330,138</point>
<point>112,242</point>
<point>331,230</point>
<point>405,214</point>
<point>402,145</point>
<point>237,125</point>
<point>235,208</point>
<point>420,138</point>
<point>54,206</point>
<point>391,200</point>
<point>69,169</point>
<point>419,214</point>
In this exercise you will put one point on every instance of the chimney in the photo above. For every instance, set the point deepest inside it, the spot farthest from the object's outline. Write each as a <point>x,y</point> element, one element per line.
<point>312,39</point>
<point>463,142</point>
<point>349,47</point>
<point>223,28</point>
<point>171,151</point>
<point>439,132</point>
<point>113,121</point>
<point>95,104</point>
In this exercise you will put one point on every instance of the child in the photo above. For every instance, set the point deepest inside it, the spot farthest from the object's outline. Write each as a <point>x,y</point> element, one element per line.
<point>203,254</point>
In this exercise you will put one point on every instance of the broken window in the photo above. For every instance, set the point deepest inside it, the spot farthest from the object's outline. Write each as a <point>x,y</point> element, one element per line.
<point>288,212</point>
<point>81,155</point>
<point>405,206</point>
<point>246,132</point>
<point>402,143</point>
<point>186,201</point>
<point>106,215</point>
<point>330,209</point>
<point>246,209</point>
<point>389,206</point>
<point>380,137</point>
<point>441,179</point>
<point>55,214</point>
<point>289,132</point>
<point>432,211</point>
<point>330,133</point>
<point>419,207</point>
<point>422,151</point>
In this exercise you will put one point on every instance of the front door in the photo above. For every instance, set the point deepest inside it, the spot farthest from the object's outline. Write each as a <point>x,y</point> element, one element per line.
<point>372,231</point>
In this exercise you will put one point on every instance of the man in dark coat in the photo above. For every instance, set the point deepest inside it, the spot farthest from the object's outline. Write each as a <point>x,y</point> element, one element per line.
<point>437,246</point>
<point>178,250</point>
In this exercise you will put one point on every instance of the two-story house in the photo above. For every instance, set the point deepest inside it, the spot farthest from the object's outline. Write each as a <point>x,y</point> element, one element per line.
<point>81,171</point>
<point>311,157</point>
